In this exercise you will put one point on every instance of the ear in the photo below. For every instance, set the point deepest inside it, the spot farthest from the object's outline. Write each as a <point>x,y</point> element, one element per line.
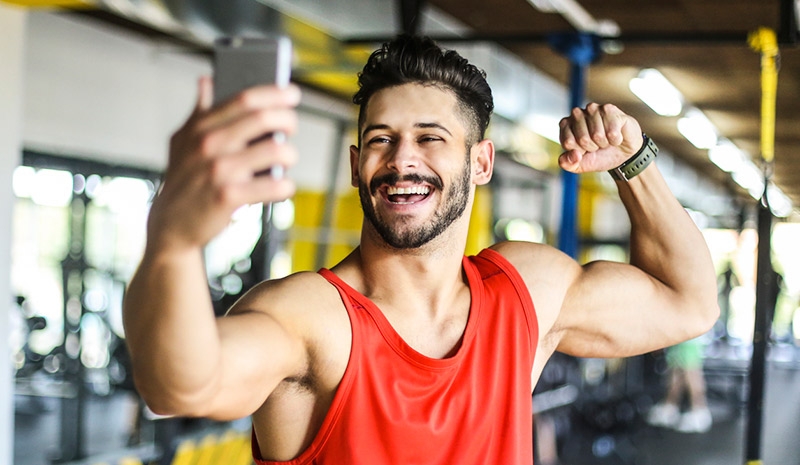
<point>354,165</point>
<point>483,165</point>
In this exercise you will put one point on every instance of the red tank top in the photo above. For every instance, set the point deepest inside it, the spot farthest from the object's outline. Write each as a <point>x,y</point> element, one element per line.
<point>397,406</point>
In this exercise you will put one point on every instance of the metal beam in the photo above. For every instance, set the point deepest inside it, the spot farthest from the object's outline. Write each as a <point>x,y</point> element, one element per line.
<point>649,38</point>
<point>764,307</point>
<point>410,15</point>
<point>788,21</point>
<point>581,50</point>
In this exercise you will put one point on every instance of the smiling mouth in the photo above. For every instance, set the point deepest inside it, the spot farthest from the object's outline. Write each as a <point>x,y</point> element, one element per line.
<point>407,195</point>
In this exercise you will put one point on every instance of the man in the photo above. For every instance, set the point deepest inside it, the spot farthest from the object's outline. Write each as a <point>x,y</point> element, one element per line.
<point>406,351</point>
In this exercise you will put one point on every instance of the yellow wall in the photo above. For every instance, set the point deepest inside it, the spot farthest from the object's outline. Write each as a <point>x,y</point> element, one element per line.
<point>480,224</point>
<point>347,218</point>
<point>305,234</point>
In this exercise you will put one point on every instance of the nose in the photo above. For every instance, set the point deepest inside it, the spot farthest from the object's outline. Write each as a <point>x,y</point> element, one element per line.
<point>404,156</point>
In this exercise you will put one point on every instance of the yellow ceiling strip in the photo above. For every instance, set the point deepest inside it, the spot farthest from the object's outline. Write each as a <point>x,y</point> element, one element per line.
<point>342,84</point>
<point>81,4</point>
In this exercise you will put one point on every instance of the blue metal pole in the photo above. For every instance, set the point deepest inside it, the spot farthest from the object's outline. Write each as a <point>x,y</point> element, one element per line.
<point>581,49</point>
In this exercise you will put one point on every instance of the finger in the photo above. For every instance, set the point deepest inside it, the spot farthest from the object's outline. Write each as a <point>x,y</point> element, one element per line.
<point>613,119</point>
<point>279,123</point>
<point>270,155</point>
<point>571,161</point>
<point>596,126</point>
<point>242,167</point>
<point>253,99</point>
<point>238,134</point>
<point>269,189</point>
<point>565,134</point>
<point>580,121</point>
<point>261,189</point>
<point>205,94</point>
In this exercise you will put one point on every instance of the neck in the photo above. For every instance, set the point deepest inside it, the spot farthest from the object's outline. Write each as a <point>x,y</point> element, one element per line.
<point>421,276</point>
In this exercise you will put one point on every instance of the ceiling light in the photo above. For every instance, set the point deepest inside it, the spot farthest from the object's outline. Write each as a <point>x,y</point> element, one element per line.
<point>23,181</point>
<point>750,178</point>
<point>695,127</point>
<point>544,125</point>
<point>545,6</point>
<point>52,188</point>
<point>797,13</point>
<point>657,92</point>
<point>727,156</point>
<point>779,203</point>
<point>577,16</point>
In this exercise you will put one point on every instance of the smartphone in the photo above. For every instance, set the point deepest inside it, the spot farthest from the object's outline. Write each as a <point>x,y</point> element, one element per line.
<point>243,62</point>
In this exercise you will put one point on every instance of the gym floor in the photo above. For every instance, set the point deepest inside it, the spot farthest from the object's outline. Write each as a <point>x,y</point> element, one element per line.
<point>724,444</point>
<point>109,418</point>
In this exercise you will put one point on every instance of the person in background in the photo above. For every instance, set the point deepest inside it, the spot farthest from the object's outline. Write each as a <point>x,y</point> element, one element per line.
<point>685,377</point>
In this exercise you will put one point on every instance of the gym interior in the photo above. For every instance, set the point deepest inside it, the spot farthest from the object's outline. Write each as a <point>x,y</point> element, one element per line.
<point>91,90</point>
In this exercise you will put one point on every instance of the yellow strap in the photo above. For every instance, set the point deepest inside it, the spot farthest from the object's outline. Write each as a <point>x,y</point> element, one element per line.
<point>755,462</point>
<point>764,41</point>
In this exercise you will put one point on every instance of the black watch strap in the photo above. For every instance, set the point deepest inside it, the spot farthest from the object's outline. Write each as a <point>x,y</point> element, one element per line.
<point>637,163</point>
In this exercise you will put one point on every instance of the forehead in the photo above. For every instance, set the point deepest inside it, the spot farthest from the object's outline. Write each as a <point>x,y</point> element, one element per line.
<point>409,104</point>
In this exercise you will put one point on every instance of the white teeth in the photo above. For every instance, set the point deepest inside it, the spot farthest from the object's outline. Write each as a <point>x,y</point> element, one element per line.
<point>421,190</point>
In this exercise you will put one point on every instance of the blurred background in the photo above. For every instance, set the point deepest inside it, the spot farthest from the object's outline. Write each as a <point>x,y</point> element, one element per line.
<point>90,91</point>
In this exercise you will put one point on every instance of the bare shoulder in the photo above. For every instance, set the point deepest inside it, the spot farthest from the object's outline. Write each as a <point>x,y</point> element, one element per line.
<point>538,263</point>
<point>294,293</point>
<point>549,275</point>
<point>303,303</point>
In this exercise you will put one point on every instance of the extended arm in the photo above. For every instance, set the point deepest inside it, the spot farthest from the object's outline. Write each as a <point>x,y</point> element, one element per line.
<point>186,361</point>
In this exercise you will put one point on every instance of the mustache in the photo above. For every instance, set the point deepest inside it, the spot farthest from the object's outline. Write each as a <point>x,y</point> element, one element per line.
<point>393,178</point>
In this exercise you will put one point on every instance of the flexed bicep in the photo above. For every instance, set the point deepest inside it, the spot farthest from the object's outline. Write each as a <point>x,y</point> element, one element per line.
<point>618,310</point>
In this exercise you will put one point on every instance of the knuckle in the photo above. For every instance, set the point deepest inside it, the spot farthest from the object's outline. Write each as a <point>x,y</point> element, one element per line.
<point>216,170</point>
<point>225,196</point>
<point>609,107</point>
<point>245,100</point>
<point>263,117</point>
<point>598,136</point>
<point>585,140</point>
<point>207,144</point>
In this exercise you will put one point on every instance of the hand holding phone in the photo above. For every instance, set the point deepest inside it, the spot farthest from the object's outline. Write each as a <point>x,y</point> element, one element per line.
<point>243,62</point>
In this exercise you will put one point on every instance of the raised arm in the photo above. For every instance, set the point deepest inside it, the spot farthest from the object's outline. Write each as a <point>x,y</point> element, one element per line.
<point>602,309</point>
<point>185,361</point>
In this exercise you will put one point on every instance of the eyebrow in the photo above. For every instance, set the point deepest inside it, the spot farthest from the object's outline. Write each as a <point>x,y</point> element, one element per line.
<point>375,127</point>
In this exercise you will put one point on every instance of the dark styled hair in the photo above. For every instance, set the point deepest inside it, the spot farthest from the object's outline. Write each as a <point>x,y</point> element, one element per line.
<point>412,59</point>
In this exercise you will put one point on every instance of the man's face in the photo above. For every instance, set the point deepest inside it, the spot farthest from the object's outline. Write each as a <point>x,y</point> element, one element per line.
<point>413,171</point>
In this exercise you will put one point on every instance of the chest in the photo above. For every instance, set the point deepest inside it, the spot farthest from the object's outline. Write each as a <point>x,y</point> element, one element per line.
<point>434,337</point>
<point>450,408</point>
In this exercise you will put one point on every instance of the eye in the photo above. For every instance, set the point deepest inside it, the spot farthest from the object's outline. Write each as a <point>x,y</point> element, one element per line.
<point>377,140</point>
<point>429,138</point>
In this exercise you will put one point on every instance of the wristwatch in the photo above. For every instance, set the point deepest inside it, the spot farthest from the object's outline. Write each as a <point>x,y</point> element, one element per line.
<point>638,162</point>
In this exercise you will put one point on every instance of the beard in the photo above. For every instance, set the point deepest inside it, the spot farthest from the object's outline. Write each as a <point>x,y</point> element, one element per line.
<point>455,204</point>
